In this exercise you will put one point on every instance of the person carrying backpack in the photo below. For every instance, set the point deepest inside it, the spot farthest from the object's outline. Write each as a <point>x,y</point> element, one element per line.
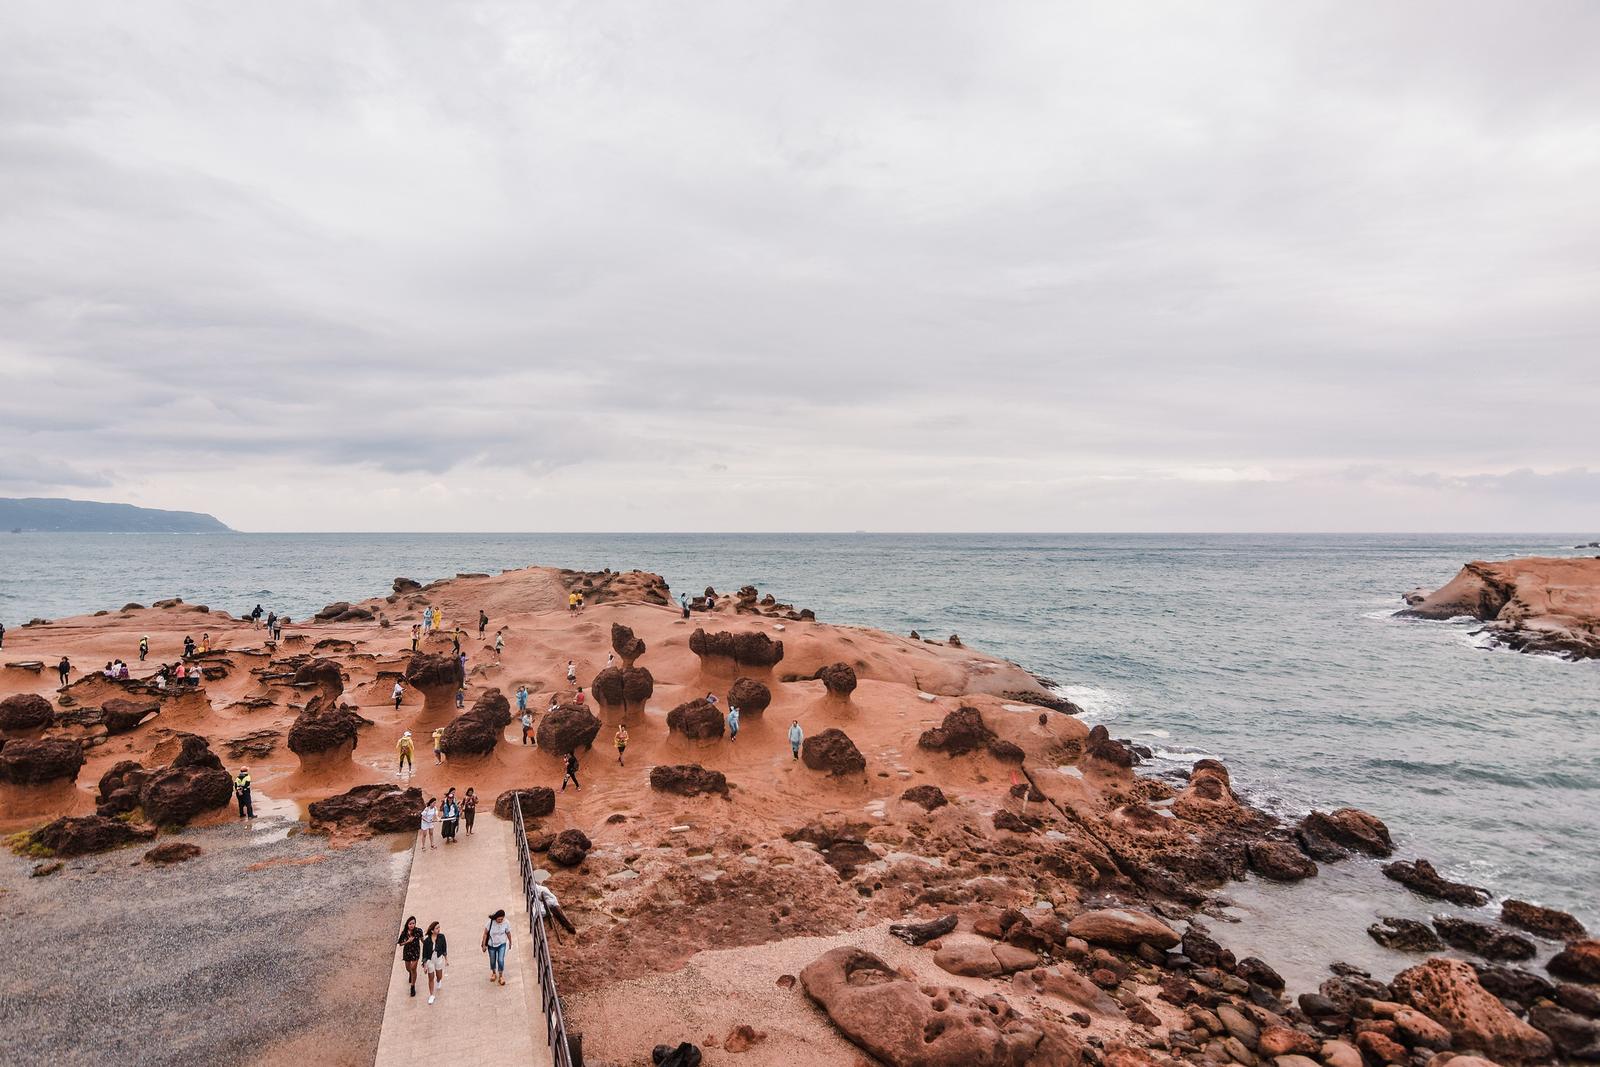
<point>241,789</point>
<point>571,769</point>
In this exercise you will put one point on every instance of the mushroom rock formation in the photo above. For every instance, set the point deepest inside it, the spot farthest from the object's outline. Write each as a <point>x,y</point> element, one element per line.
<point>749,650</point>
<point>119,787</point>
<point>437,677</point>
<point>1420,877</point>
<point>914,1024</point>
<point>1448,992</point>
<point>80,835</point>
<point>696,720</point>
<point>928,796</point>
<point>536,801</point>
<point>122,716</point>
<point>570,848</point>
<point>193,783</point>
<point>840,679</point>
<point>1329,836</point>
<point>834,752</point>
<point>41,762</point>
<point>567,729</point>
<point>1100,746</point>
<point>324,674</point>
<point>1280,861</point>
<point>476,732</point>
<point>25,711</point>
<point>627,647</point>
<point>687,780</point>
<point>749,696</point>
<point>324,732</point>
<point>381,808</point>
<point>638,685</point>
<point>607,688</point>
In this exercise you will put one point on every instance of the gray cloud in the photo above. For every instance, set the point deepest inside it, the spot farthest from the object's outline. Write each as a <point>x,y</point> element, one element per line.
<point>816,266</point>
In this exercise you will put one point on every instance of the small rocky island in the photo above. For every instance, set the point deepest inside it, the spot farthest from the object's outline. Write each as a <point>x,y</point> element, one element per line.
<point>1536,604</point>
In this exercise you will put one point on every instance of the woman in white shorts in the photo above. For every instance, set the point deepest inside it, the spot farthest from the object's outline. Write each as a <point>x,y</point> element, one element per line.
<point>433,959</point>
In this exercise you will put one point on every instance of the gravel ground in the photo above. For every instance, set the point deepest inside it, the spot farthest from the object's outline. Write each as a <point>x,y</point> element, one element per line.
<point>268,948</point>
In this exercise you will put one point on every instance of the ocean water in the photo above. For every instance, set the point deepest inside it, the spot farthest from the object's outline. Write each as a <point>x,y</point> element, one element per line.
<point>1275,653</point>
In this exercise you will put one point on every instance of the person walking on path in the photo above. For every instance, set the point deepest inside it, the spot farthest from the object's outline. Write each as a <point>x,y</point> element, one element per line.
<point>416,636</point>
<point>527,726</point>
<point>572,603</point>
<point>796,735</point>
<point>438,744</point>
<point>64,669</point>
<point>683,600</point>
<point>144,647</point>
<point>241,789</point>
<point>622,743</point>
<point>572,673</point>
<point>405,748</point>
<point>499,642</point>
<point>398,693</point>
<point>410,942</point>
<point>580,602</point>
<point>433,959</point>
<point>449,816</point>
<point>496,939</point>
<point>571,771</point>
<point>427,619</point>
<point>469,807</point>
<point>430,815</point>
<point>733,723</point>
<point>483,623</point>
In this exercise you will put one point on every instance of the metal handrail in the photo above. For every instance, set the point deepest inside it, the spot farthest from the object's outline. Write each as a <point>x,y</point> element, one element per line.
<point>555,1024</point>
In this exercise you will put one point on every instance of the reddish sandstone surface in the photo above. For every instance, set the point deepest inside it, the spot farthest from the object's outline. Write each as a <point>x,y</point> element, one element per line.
<point>1534,604</point>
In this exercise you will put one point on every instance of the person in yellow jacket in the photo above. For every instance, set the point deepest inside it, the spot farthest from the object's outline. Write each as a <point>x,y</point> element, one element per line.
<point>438,743</point>
<point>406,747</point>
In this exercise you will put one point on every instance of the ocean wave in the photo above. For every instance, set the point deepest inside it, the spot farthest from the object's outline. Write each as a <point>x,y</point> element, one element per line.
<point>1155,733</point>
<point>1180,757</point>
<point>1099,705</point>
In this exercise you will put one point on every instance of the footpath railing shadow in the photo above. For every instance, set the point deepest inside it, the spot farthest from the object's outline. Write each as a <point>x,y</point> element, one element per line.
<point>555,1024</point>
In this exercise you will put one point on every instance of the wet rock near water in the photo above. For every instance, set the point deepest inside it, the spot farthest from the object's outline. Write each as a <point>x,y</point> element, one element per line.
<point>1329,836</point>
<point>1404,935</point>
<point>1280,861</point>
<point>1420,877</point>
<point>1484,939</point>
<point>80,835</point>
<point>1448,991</point>
<point>1579,961</point>
<point>1545,922</point>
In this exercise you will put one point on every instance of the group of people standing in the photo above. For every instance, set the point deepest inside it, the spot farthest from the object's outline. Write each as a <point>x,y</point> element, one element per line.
<point>447,816</point>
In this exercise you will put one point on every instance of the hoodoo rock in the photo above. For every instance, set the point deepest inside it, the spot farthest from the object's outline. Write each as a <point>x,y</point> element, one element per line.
<point>41,762</point>
<point>119,787</point>
<point>607,688</point>
<point>123,716</point>
<point>570,848</point>
<point>1546,922</point>
<point>912,1024</point>
<point>1420,877</point>
<point>192,784</point>
<point>567,729</point>
<point>687,780</point>
<point>321,731</point>
<point>437,677</point>
<point>1328,836</point>
<point>476,732</point>
<point>1448,992</point>
<point>638,686</point>
<point>839,678</point>
<point>381,808</point>
<point>25,711</point>
<point>834,752</point>
<point>322,674</point>
<point>80,835</point>
<point>537,801</point>
<point>749,696</point>
<point>750,650</point>
<point>627,647</point>
<point>696,720</point>
<point>1122,928</point>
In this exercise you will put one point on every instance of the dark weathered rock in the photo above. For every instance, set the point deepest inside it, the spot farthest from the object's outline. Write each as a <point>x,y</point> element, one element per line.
<point>570,848</point>
<point>744,649</point>
<point>402,586</point>
<point>749,696</point>
<point>607,688</point>
<point>537,801</point>
<point>1485,939</point>
<point>638,686</point>
<point>1448,992</point>
<point>171,852</point>
<point>324,675</point>
<point>928,796</point>
<point>119,787</point>
<point>567,729</point>
<point>1281,861</point>
<point>687,780</point>
<point>1579,961</point>
<point>627,647</point>
<point>381,808</point>
<point>1546,922</point>
<point>320,730</point>
<point>1101,746</point>
<point>1513,983</point>
<point>123,716</point>
<point>1574,1036</point>
<point>1420,877</point>
<point>434,674</point>
<point>696,719</point>
<point>1205,952</point>
<point>80,835</point>
<point>176,794</point>
<point>1581,999</point>
<point>41,761</point>
<point>839,678</point>
<point>922,933</point>
<point>1404,935</point>
<point>1344,829</point>
<point>962,731</point>
<point>25,711</point>
<point>1259,973</point>
<point>832,751</point>
<point>477,731</point>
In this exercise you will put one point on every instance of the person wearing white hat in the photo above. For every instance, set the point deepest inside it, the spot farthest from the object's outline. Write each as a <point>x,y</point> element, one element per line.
<point>406,748</point>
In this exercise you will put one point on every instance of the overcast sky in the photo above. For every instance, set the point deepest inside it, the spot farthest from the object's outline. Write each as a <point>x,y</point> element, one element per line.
<point>810,266</point>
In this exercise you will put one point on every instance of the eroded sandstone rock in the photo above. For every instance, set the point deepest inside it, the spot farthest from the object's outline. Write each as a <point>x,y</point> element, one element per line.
<point>380,807</point>
<point>41,761</point>
<point>832,751</point>
<point>1448,992</point>
<point>1420,877</point>
<point>696,719</point>
<point>25,711</point>
<point>80,835</point>
<point>687,780</point>
<point>567,729</point>
<point>537,801</point>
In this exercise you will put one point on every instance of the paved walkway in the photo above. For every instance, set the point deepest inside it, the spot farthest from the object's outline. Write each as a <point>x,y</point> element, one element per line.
<point>472,1022</point>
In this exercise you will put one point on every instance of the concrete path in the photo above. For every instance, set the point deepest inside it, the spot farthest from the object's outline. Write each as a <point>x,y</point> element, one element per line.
<point>472,1021</point>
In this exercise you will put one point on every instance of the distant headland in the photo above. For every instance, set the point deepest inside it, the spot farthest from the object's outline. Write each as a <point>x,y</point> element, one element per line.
<point>59,515</point>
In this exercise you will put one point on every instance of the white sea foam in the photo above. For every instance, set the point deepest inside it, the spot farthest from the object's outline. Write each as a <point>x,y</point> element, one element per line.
<point>1180,757</point>
<point>1099,705</point>
<point>1155,733</point>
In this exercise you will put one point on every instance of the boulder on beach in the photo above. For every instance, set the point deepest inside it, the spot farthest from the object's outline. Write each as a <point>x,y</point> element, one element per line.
<point>380,807</point>
<point>570,848</point>
<point>749,696</point>
<point>696,719</point>
<point>119,787</point>
<point>80,835</point>
<point>536,802</point>
<point>25,711</point>
<point>123,716</point>
<point>1448,992</point>
<point>1545,922</point>
<point>1281,861</point>
<point>1123,928</point>
<point>1579,961</point>
<point>1420,877</point>
<point>1328,836</point>
<point>1484,939</point>
<point>567,729</point>
<point>41,762</point>
<point>1404,935</point>
<point>832,751</point>
<point>687,780</point>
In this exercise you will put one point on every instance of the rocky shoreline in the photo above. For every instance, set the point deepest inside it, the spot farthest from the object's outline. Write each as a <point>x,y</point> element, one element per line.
<point>1536,604</point>
<point>952,870</point>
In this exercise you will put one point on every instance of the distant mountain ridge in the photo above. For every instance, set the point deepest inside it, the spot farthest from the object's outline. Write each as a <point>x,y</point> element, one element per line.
<point>59,515</point>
